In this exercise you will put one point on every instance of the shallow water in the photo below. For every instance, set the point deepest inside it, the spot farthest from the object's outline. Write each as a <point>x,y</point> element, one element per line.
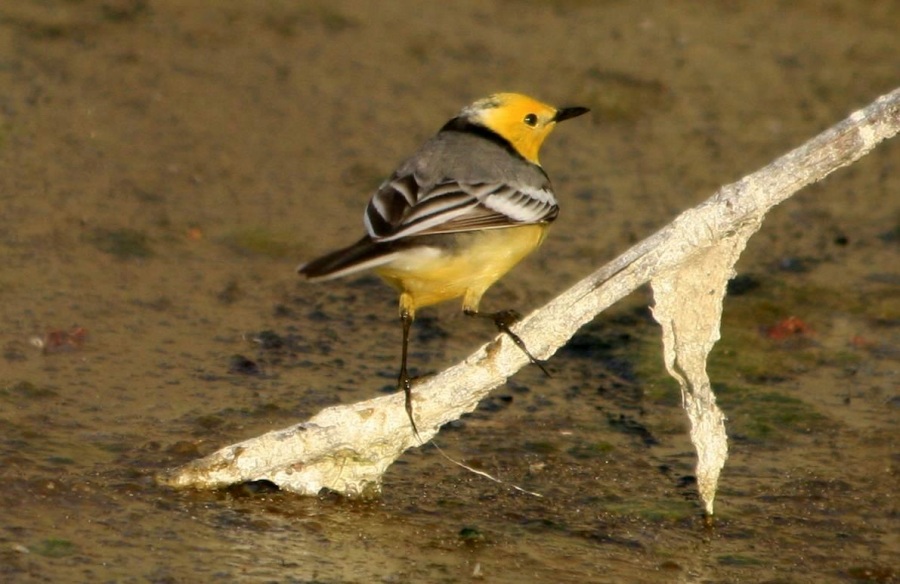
<point>165,165</point>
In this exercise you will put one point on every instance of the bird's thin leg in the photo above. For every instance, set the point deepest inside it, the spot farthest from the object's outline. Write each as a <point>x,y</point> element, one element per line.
<point>404,382</point>
<point>503,319</point>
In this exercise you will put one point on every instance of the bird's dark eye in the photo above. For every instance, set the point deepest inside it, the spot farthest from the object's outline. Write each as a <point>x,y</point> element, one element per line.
<point>531,120</point>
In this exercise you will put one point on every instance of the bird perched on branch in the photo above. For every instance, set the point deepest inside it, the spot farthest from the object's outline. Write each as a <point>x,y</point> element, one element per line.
<point>458,214</point>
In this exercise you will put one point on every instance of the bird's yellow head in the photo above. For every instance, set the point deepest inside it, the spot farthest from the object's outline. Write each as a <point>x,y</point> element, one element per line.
<point>523,121</point>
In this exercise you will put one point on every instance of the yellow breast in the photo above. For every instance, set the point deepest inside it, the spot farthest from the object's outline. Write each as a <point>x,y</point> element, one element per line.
<point>465,266</point>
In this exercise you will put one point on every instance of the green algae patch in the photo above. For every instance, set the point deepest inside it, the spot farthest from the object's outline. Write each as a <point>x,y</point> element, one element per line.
<point>758,415</point>
<point>27,390</point>
<point>262,242</point>
<point>663,510</point>
<point>123,243</point>
<point>590,450</point>
<point>54,548</point>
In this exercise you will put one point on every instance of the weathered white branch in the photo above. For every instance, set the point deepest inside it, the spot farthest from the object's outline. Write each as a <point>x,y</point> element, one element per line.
<point>348,448</point>
<point>689,309</point>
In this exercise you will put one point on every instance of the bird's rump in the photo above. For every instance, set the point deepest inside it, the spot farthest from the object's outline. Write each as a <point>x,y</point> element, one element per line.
<point>362,255</point>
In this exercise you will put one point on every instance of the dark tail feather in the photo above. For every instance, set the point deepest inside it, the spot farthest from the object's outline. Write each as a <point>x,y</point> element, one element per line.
<point>362,255</point>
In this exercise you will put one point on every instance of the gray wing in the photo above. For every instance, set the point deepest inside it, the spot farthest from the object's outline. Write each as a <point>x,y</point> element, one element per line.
<point>407,206</point>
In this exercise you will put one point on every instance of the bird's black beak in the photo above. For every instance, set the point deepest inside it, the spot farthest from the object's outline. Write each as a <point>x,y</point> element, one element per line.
<point>566,113</point>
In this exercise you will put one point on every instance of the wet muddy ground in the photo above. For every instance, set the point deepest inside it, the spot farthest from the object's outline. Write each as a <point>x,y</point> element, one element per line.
<point>164,165</point>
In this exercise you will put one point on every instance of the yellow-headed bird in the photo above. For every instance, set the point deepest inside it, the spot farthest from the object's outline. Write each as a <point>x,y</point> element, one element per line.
<point>459,213</point>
